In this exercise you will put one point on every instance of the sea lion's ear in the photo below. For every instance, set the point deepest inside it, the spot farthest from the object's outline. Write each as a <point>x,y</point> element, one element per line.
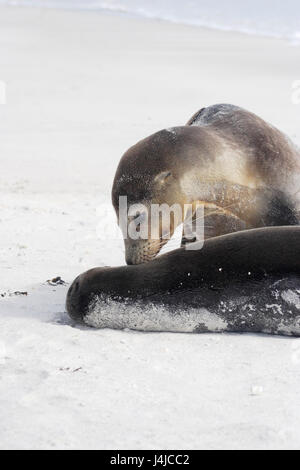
<point>163,177</point>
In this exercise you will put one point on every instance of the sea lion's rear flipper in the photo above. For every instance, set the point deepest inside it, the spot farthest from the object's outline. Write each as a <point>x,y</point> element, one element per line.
<point>218,113</point>
<point>195,117</point>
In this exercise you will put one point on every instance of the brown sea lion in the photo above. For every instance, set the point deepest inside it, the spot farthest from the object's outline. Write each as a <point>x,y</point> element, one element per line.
<point>244,171</point>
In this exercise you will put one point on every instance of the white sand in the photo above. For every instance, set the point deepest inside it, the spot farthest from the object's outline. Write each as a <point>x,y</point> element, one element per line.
<point>81,88</point>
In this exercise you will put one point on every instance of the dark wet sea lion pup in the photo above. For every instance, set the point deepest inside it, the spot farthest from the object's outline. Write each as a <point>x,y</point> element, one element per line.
<point>247,281</point>
<point>245,172</point>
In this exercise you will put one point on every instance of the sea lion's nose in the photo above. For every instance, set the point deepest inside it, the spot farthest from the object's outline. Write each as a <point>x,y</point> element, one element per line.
<point>132,256</point>
<point>131,252</point>
<point>129,256</point>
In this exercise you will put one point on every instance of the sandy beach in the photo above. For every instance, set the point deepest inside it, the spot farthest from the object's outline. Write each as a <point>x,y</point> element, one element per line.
<point>81,88</point>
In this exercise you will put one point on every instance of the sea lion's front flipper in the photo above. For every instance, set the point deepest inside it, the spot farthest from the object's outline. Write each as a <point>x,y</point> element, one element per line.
<point>215,222</point>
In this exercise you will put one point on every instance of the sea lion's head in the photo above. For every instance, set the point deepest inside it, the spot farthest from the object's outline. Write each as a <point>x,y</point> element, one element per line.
<point>148,180</point>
